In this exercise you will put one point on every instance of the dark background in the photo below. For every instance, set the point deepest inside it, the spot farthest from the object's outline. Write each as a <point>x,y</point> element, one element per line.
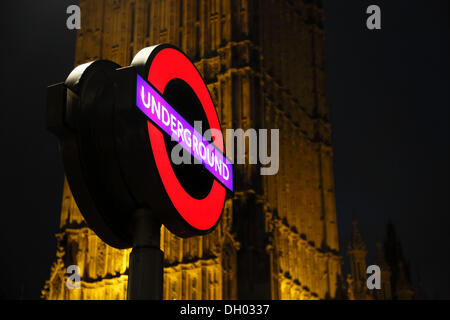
<point>388,95</point>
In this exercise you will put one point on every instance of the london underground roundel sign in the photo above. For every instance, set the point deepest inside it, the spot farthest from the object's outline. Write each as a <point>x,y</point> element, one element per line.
<point>119,129</point>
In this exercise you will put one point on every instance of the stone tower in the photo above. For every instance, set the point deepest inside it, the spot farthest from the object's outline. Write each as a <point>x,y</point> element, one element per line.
<point>385,292</point>
<point>263,61</point>
<point>401,286</point>
<point>357,253</point>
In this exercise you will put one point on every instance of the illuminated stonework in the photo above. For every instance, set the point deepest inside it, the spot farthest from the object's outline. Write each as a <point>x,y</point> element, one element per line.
<point>263,62</point>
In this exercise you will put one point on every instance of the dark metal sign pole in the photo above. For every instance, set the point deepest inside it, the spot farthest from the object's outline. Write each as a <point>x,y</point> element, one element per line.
<point>145,273</point>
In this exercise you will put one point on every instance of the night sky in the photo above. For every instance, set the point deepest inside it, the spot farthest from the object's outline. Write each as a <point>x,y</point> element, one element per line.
<point>388,93</point>
<point>389,102</point>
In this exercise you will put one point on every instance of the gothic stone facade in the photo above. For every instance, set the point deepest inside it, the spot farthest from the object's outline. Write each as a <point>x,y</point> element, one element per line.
<point>263,61</point>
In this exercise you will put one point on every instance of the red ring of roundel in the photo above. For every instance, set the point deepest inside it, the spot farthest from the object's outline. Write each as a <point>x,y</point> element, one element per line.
<point>201,214</point>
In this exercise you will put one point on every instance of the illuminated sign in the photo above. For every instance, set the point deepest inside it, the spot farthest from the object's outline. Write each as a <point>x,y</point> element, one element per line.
<point>161,113</point>
<point>115,126</point>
